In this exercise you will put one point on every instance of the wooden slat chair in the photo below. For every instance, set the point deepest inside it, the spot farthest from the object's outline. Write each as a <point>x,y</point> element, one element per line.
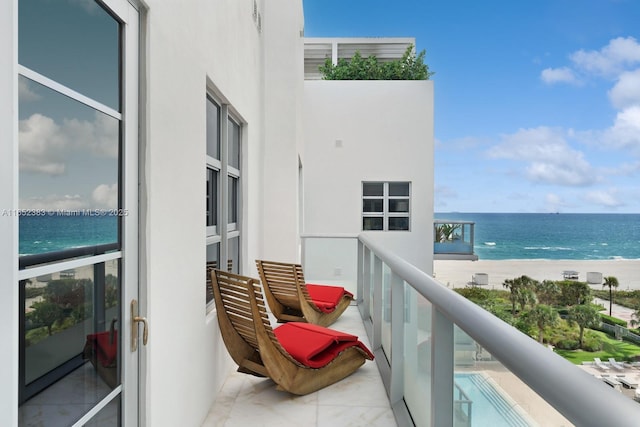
<point>300,358</point>
<point>291,299</point>
<point>211,265</point>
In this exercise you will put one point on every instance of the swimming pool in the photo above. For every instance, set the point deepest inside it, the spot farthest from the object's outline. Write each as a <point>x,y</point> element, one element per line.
<point>490,407</point>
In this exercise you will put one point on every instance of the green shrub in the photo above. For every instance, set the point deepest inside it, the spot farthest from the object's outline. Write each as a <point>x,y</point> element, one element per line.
<point>592,343</point>
<point>410,67</point>
<point>613,320</point>
<point>567,344</point>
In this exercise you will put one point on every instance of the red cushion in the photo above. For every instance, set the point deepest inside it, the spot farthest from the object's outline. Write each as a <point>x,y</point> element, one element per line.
<point>105,346</point>
<point>327,297</point>
<point>315,346</point>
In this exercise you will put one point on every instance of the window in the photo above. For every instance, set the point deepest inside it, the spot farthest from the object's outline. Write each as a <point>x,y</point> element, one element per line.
<point>76,141</point>
<point>224,140</point>
<point>385,206</point>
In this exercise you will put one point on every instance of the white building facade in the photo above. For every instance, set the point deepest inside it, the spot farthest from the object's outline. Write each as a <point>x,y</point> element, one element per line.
<point>182,96</point>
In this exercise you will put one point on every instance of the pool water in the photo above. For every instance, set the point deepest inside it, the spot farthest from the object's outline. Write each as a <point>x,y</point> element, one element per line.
<point>490,407</point>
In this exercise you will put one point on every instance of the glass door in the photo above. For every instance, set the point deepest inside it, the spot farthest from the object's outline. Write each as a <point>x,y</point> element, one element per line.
<point>78,211</point>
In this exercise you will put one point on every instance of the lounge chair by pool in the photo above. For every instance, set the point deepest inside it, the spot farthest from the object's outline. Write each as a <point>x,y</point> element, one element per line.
<point>599,364</point>
<point>616,365</point>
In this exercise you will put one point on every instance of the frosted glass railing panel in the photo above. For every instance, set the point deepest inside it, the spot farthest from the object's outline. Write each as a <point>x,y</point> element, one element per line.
<point>497,396</point>
<point>417,366</point>
<point>386,311</point>
<point>332,261</point>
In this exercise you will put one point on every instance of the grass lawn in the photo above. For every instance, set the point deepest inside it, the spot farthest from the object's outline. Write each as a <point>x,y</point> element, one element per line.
<point>620,350</point>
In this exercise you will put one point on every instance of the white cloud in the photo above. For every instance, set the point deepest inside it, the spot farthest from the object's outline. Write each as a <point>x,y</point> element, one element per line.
<point>44,144</point>
<point>41,146</point>
<point>106,196</point>
<point>559,75</point>
<point>89,6</point>
<point>611,60</point>
<point>550,158</point>
<point>625,132</point>
<point>603,198</point>
<point>626,91</point>
<point>54,203</point>
<point>25,91</point>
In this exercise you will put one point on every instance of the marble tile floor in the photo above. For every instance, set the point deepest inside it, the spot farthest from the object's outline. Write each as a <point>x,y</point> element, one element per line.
<point>358,400</point>
<point>67,400</point>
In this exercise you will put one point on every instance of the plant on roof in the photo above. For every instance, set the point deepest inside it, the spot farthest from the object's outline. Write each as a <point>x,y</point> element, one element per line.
<point>409,67</point>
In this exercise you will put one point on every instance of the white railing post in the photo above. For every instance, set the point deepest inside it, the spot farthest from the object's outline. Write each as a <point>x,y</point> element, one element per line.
<point>360,275</point>
<point>376,318</point>
<point>442,351</point>
<point>396,388</point>
<point>366,284</point>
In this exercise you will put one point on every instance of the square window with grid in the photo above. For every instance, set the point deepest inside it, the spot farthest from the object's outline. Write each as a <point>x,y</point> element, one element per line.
<point>386,206</point>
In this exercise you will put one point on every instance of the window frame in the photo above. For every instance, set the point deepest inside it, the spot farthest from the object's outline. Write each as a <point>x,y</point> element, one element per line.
<point>386,214</point>
<point>223,231</point>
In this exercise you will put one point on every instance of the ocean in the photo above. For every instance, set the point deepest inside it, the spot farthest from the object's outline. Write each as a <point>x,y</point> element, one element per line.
<point>502,236</point>
<point>498,236</point>
<point>54,232</point>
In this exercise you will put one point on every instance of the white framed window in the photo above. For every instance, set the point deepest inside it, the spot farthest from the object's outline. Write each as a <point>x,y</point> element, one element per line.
<point>386,206</point>
<point>223,164</point>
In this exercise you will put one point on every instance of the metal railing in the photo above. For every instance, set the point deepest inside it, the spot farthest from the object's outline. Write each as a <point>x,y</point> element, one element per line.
<point>383,283</point>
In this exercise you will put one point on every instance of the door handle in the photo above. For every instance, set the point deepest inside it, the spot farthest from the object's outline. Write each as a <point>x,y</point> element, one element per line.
<point>135,320</point>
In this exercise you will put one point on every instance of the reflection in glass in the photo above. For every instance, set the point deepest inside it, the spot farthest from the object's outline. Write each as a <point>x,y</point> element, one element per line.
<point>372,189</point>
<point>76,43</point>
<point>417,380</point>
<point>398,205</point>
<point>109,416</point>
<point>399,223</point>
<point>234,254</point>
<point>234,144</point>
<point>213,129</point>
<point>372,205</point>
<point>398,189</point>
<point>372,223</point>
<point>68,156</point>
<point>213,261</point>
<point>212,197</point>
<point>233,200</point>
<point>72,314</point>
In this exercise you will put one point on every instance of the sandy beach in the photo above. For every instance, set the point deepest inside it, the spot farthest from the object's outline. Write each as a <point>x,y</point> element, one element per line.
<point>455,274</point>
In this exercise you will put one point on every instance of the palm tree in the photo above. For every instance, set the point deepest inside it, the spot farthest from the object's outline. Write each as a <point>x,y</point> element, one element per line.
<point>446,232</point>
<point>512,285</point>
<point>611,282</point>
<point>547,292</point>
<point>586,316</point>
<point>543,316</point>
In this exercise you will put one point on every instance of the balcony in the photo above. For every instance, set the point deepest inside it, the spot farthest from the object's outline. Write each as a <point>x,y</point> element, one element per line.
<point>453,240</point>
<point>443,361</point>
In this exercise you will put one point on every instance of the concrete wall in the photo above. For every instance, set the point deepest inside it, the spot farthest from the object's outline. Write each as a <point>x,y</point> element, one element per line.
<point>283,79</point>
<point>192,47</point>
<point>369,131</point>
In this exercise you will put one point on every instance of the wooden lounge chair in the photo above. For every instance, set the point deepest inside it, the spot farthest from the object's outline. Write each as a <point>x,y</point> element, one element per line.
<point>299,357</point>
<point>291,299</point>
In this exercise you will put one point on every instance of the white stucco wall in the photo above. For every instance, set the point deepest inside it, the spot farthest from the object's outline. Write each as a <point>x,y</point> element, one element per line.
<point>283,79</point>
<point>192,47</point>
<point>385,133</point>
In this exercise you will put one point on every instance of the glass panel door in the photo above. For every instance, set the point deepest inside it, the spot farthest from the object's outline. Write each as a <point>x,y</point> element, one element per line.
<point>77,211</point>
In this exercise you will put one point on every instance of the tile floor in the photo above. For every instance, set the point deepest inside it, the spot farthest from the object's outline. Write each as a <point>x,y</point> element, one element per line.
<point>358,400</point>
<point>67,400</point>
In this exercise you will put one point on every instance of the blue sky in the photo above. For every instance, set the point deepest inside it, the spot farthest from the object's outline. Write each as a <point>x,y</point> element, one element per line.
<point>537,103</point>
